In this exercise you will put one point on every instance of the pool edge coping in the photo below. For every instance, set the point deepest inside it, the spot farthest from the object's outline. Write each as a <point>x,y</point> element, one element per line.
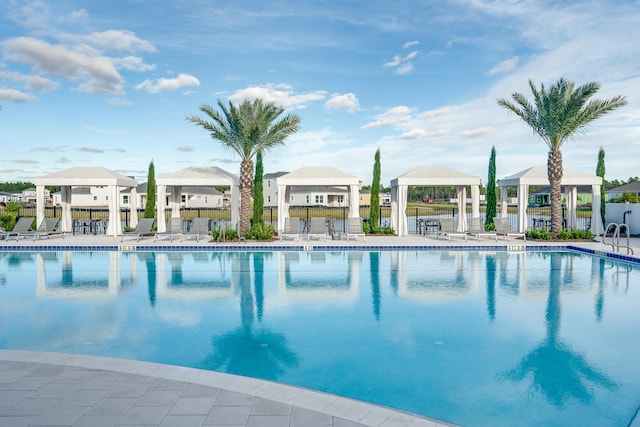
<point>346,408</point>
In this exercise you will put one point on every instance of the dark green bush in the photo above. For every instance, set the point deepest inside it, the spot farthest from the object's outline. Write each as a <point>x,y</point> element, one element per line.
<point>260,232</point>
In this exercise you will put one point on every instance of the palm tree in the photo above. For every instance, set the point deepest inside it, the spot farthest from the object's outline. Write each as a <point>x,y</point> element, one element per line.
<point>558,114</point>
<point>247,129</point>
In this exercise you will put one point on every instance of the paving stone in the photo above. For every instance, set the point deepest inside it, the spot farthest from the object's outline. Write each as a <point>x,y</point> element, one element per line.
<point>231,415</point>
<point>82,398</point>
<point>30,406</point>
<point>269,407</point>
<point>162,384</point>
<point>60,416</point>
<point>112,406</point>
<point>232,398</point>
<point>268,421</point>
<point>192,406</point>
<point>16,421</point>
<point>183,421</point>
<point>159,398</point>
<point>307,416</point>
<point>144,415</point>
<point>97,421</point>
<point>197,390</point>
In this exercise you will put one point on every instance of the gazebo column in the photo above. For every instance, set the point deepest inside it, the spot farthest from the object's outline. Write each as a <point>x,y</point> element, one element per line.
<point>354,202</point>
<point>115,223</point>
<point>597,228</point>
<point>462,208</point>
<point>174,202</point>
<point>161,201</point>
<point>504,201</point>
<point>572,204</point>
<point>283,206</point>
<point>133,203</point>
<point>67,220</point>
<point>523,202</point>
<point>39,204</point>
<point>398,209</point>
<point>475,201</point>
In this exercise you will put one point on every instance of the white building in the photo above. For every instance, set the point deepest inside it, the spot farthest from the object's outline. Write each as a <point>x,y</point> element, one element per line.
<point>334,197</point>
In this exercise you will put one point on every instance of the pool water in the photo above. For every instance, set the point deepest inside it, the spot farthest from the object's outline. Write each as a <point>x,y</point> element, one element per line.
<point>473,338</point>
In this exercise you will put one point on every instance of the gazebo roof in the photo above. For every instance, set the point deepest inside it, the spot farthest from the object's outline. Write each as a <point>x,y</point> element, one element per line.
<point>86,176</point>
<point>435,176</point>
<point>201,176</point>
<point>537,175</point>
<point>317,176</point>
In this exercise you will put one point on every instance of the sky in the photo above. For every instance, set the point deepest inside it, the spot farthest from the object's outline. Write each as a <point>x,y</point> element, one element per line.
<point>110,84</point>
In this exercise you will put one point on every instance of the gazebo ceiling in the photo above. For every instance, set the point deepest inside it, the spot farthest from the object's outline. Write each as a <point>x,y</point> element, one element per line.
<point>435,176</point>
<point>86,176</point>
<point>317,176</point>
<point>198,176</point>
<point>537,175</point>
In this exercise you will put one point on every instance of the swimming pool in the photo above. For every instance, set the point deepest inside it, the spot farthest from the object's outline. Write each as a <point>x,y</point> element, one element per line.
<point>475,338</point>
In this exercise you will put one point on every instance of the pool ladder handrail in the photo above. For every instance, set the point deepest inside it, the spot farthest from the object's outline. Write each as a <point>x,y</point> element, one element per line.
<point>615,237</point>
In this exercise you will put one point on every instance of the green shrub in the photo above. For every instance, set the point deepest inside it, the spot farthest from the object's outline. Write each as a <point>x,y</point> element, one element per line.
<point>227,233</point>
<point>128,229</point>
<point>7,222</point>
<point>571,234</point>
<point>260,232</point>
<point>388,230</point>
<point>539,234</point>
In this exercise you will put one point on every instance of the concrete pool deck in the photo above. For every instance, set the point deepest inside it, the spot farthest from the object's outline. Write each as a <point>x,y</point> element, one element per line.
<point>39,388</point>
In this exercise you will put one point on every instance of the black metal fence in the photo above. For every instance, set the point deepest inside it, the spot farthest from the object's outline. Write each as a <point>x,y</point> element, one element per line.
<point>538,217</point>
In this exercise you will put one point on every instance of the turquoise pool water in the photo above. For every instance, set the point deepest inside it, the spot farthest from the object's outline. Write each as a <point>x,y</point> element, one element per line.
<point>474,338</point>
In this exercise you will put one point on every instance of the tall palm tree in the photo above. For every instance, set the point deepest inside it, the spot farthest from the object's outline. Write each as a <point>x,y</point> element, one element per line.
<point>247,129</point>
<point>558,114</point>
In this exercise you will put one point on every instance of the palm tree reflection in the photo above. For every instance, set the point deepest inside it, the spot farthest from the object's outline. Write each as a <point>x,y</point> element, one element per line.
<point>250,350</point>
<point>557,370</point>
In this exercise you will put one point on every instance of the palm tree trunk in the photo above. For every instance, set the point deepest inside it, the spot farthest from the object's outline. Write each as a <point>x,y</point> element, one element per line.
<point>554,172</point>
<point>246,188</point>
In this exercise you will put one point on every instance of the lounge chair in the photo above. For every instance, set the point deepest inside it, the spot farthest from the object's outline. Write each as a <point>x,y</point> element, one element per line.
<point>317,228</point>
<point>448,228</point>
<point>354,228</point>
<point>47,228</point>
<point>174,228</point>
<point>291,228</point>
<point>199,228</point>
<point>504,228</point>
<point>142,229</point>
<point>477,229</point>
<point>22,227</point>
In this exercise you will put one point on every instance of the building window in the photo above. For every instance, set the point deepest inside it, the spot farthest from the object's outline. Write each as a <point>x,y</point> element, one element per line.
<point>95,197</point>
<point>269,199</point>
<point>307,199</point>
<point>319,199</point>
<point>341,199</point>
<point>268,183</point>
<point>125,199</point>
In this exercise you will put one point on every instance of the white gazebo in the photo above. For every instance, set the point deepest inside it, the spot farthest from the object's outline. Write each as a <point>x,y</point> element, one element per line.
<point>433,176</point>
<point>537,176</point>
<point>325,176</point>
<point>209,176</point>
<point>88,176</point>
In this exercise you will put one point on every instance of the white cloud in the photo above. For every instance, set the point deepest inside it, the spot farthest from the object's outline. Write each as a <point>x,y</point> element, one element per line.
<point>504,66</point>
<point>407,45</point>
<point>402,65</point>
<point>348,101</point>
<point>282,95</point>
<point>98,73</point>
<point>185,148</point>
<point>421,134</point>
<point>33,83</point>
<point>15,95</point>
<point>391,117</point>
<point>163,84</point>
<point>80,14</point>
<point>474,133</point>
<point>117,40</point>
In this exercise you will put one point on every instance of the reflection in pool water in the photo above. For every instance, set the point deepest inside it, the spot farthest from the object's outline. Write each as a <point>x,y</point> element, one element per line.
<point>475,338</point>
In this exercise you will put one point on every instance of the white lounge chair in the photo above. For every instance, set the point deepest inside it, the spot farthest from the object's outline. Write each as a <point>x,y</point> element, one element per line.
<point>317,228</point>
<point>448,228</point>
<point>199,228</point>
<point>142,229</point>
<point>291,228</point>
<point>504,228</point>
<point>354,228</point>
<point>174,228</point>
<point>477,229</point>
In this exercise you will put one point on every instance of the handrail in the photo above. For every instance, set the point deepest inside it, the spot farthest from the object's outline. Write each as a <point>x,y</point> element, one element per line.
<point>615,237</point>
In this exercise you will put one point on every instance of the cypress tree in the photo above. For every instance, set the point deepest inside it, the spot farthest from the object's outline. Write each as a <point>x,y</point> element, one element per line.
<point>150,206</point>
<point>600,170</point>
<point>491,192</point>
<point>374,210</point>
<point>258,194</point>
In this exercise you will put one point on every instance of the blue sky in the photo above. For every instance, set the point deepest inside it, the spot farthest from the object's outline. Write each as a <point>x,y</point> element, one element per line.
<point>111,83</point>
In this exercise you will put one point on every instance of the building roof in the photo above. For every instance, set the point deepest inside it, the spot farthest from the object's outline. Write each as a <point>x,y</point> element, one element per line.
<point>86,176</point>
<point>273,175</point>
<point>205,176</point>
<point>632,187</point>
<point>432,176</point>
<point>317,176</point>
<point>537,175</point>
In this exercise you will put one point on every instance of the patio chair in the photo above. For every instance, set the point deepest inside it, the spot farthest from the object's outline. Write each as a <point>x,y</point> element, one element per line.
<point>22,226</point>
<point>174,228</point>
<point>199,227</point>
<point>46,229</point>
<point>477,229</point>
<point>448,228</point>
<point>291,228</point>
<point>142,229</point>
<point>504,228</point>
<point>317,228</point>
<point>354,228</point>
